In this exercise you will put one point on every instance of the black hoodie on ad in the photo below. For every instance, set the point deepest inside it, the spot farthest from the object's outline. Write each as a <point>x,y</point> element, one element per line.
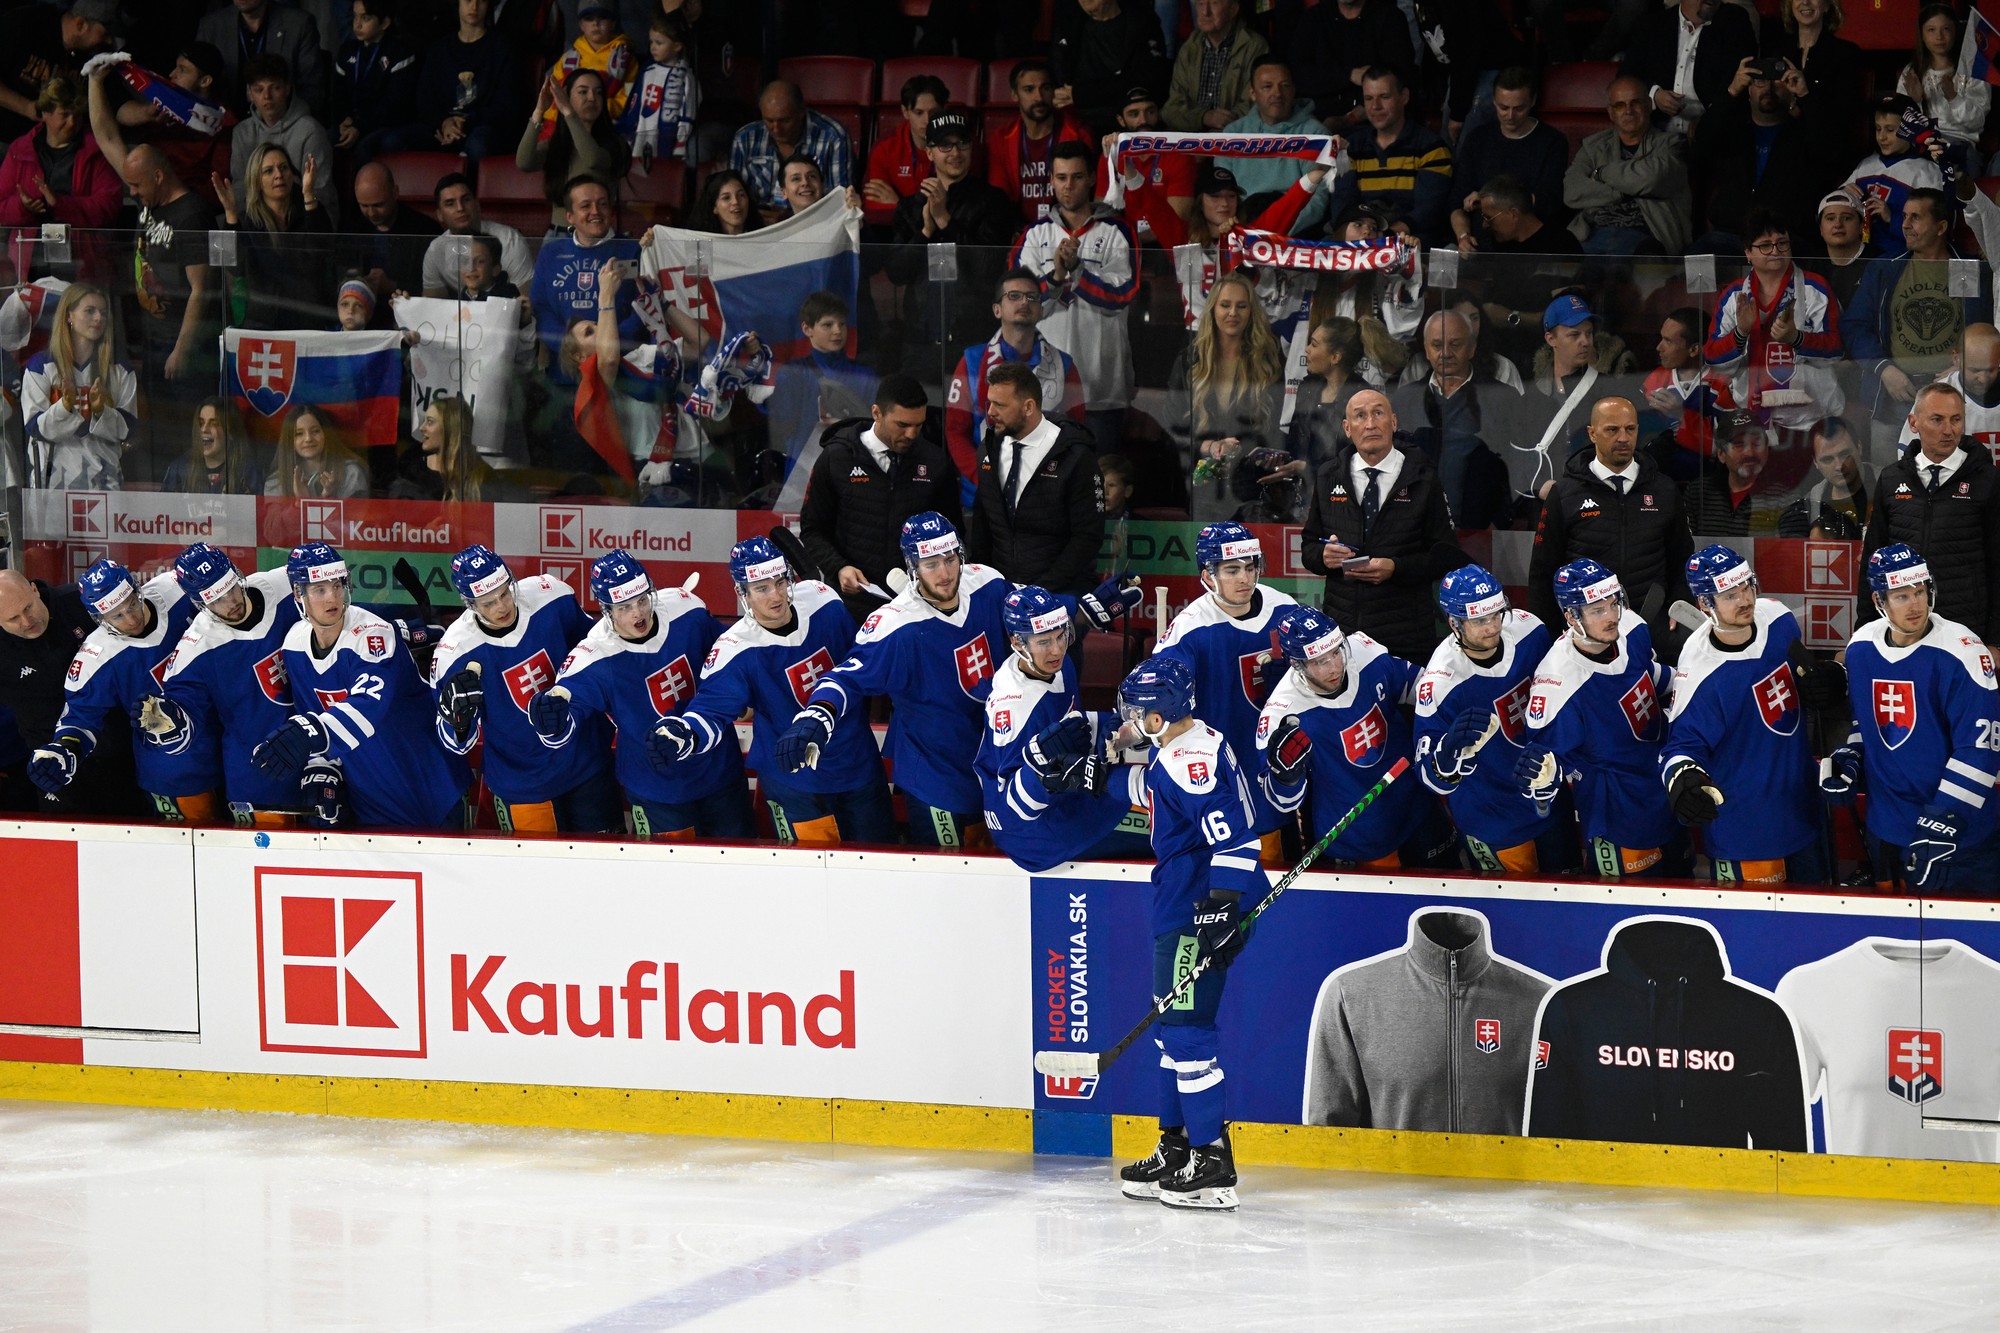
<point>1663,1046</point>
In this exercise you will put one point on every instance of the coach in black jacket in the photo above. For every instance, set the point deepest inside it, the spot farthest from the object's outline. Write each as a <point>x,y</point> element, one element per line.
<point>1954,525</point>
<point>40,630</point>
<point>1038,515</point>
<point>1613,505</point>
<point>870,476</point>
<point>1402,530</point>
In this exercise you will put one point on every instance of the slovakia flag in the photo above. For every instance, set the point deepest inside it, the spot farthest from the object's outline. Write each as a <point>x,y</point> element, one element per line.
<point>1979,53</point>
<point>355,378</point>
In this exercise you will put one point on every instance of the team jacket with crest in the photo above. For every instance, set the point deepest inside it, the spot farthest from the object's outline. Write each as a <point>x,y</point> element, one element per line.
<point>377,712</point>
<point>1927,718</point>
<point>111,674</point>
<point>1759,367</point>
<point>636,683</point>
<point>1356,735</point>
<point>1203,839</point>
<point>774,675</point>
<point>231,681</point>
<point>515,666</point>
<point>1604,722</point>
<point>939,669</point>
<point>1737,714</point>
<point>1085,315</point>
<point>1230,684</point>
<point>1037,828</point>
<point>1486,804</point>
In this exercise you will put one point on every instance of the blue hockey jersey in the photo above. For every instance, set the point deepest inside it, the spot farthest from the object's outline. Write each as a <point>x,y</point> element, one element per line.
<point>1485,804</point>
<point>939,669</point>
<point>1357,735</point>
<point>1202,835</point>
<point>1928,720</point>
<point>112,674</point>
<point>774,675</point>
<point>514,667</point>
<point>1230,683</point>
<point>635,684</point>
<point>1604,722</point>
<point>1738,715</point>
<point>231,682</point>
<point>1037,828</point>
<point>378,715</point>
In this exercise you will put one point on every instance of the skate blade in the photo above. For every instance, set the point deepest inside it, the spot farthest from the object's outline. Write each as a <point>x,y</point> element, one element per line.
<point>1143,1190</point>
<point>1221,1200</point>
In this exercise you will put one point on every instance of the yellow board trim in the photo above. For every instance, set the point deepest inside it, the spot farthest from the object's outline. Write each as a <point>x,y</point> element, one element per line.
<point>1003,1129</point>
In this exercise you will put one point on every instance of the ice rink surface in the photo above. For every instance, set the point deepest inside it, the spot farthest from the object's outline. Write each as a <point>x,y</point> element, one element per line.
<point>154,1220</point>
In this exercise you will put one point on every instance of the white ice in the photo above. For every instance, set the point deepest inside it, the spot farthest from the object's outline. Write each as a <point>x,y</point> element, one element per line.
<point>151,1220</point>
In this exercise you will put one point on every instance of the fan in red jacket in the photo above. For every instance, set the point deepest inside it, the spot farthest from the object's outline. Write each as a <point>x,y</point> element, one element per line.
<point>899,162</point>
<point>57,174</point>
<point>1019,159</point>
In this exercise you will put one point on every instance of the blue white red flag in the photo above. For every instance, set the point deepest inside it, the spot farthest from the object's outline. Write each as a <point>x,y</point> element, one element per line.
<point>355,378</point>
<point>1979,52</point>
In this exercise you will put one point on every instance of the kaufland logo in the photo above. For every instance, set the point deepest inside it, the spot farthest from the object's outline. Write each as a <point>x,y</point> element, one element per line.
<point>323,521</point>
<point>651,1003</point>
<point>562,530</point>
<point>88,515</point>
<point>340,962</point>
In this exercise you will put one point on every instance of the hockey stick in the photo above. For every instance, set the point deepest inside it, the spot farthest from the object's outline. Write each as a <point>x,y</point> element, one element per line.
<point>406,578</point>
<point>1075,1064</point>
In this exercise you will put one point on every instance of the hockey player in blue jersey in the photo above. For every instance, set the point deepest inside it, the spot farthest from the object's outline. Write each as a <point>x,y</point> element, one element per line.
<point>1595,718</point>
<point>638,665</point>
<point>791,635</point>
<point>1472,717</point>
<point>1331,728</point>
<point>1738,761</point>
<point>361,736</point>
<point>226,682</point>
<point>1048,771</point>
<point>1227,636</point>
<point>492,663</point>
<point>1205,854</point>
<point>1926,738</point>
<point>114,671</point>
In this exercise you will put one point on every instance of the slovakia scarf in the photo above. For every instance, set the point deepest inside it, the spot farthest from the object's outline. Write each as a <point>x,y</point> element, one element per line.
<point>1319,149</point>
<point>181,108</point>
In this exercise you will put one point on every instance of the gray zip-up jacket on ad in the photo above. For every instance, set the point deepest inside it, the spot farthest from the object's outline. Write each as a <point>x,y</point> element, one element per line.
<point>1436,1036</point>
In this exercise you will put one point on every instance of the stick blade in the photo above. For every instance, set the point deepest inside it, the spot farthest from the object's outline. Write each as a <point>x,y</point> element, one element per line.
<point>1066,1064</point>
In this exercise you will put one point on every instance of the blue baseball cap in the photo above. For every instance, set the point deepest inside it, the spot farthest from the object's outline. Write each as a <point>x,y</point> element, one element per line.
<point>1566,312</point>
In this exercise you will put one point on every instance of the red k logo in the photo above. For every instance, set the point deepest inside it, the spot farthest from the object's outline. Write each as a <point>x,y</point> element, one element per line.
<point>1895,710</point>
<point>975,664</point>
<point>805,674</point>
<point>671,686</point>
<point>271,678</point>
<point>1778,700</point>
<point>1642,709</point>
<point>527,679</point>
<point>340,961</point>
<point>1363,741</point>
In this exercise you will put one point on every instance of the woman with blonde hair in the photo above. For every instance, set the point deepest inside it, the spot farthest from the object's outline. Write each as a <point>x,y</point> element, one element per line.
<point>219,461</point>
<point>445,435</point>
<point>76,402</point>
<point>1225,394</point>
<point>285,242</point>
<point>310,463</point>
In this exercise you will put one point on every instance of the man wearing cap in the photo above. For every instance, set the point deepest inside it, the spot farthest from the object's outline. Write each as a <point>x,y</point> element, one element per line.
<point>1211,83</point>
<point>1102,48</point>
<point>1766,143</point>
<point>1162,178</point>
<point>1577,367</point>
<point>953,207</point>
<point>1629,185</point>
<point>40,630</point>
<point>247,29</point>
<point>1736,495</point>
<point>46,39</point>
<point>1398,163</point>
<point>1276,109</point>
<point>1845,236</point>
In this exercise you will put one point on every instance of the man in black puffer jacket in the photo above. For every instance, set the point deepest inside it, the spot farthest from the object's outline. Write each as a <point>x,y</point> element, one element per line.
<point>1038,516</point>
<point>1384,508</point>
<point>1954,525</point>
<point>871,475</point>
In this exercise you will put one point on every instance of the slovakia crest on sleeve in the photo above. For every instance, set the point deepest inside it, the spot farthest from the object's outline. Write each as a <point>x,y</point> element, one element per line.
<point>975,664</point>
<point>1778,700</point>
<point>1426,692</point>
<point>1538,707</point>
<point>1895,710</point>
<point>1642,709</point>
<point>1364,741</point>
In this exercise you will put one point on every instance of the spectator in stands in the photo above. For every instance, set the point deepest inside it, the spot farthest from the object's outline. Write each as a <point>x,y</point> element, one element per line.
<point>1211,80</point>
<point>785,127</point>
<point>310,462</point>
<point>1274,109</point>
<point>1735,496</point>
<point>725,206</point>
<point>1687,394</point>
<point>389,247</point>
<point>1017,305</point>
<point>454,473</point>
<point>374,76</point>
<point>954,206</point>
<point>1842,233</point>
<point>218,461</point>
<point>1116,473</point>
<point>1838,506</point>
<point>465,92</point>
<point>1450,416</point>
<point>1333,360</point>
<point>1976,374</point>
<point>1684,56</point>
<point>77,401</point>
<point>1018,156</point>
<point>564,287</point>
<point>1883,179</point>
<point>276,119</point>
<point>45,39</point>
<point>1612,504</point>
<point>1628,184</point>
<point>1398,164</point>
<point>900,162</point>
<point>1513,144</point>
<point>815,390</point>
<point>1578,367</point>
<point>1464,47</point>
<point>56,173</point>
<point>1102,49</point>
<point>1944,494</point>
<point>1086,259</point>
<point>1038,512</point>
<point>1522,266</point>
<point>1764,145</point>
<point>583,140</point>
<point>1512,227</point>
<point>1383,509</point>
<point>801,185</point>
<point>354,306</point>
<point>179,319</point>
<point>1336,41</point>
<point>120,118</point>
<point>40,630</point>
<point>1225,395</point>
<point>248,30</point>
<point>1931,80</point>
<point>1832,66</point>
<point>1486,363</point>
<point>1168,176</point>
<point>659,119</point>
<point>282,252</point>
<point>875,469</point>
<point>445,258</point>
<point>599,45</point>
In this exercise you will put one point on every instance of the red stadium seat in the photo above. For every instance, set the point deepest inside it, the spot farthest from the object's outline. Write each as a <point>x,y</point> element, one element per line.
<point>998,93</point>
<point>417,174</point>
<point>914,9</point>
<point>830,81</point>
<point>995,119</point>
<point>961,77</point>
<point>656,197</point>
<point>1578,86</point>
<point>1879,25</point>
<point>1576,126</point>
<point>513,196</point>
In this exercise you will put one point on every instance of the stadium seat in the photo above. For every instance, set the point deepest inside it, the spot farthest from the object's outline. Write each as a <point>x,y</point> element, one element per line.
<point>914,9</point>
<point>1577,87</point>
<point>830,81</point>
<point>996,118</point>
<point>417,174</point>
<point>513,196</point>
<point>1878,25</point>
<point>998,93</point>
<point>655,197</point>
<point>961,77</point>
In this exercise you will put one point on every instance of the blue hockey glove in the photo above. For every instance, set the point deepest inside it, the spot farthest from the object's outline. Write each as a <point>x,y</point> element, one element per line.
<point>163,723</point>
<point>1840,774</point>
<point>52,767</point>
<point>1289,751</point>
<point>1114,597</point>
<point>1537,774</point>
<point>1216,926</point>
<point>1457,753</point>
<point>419,635</point>
<point>460,699</point>
<point>548,713</point>
<point>1938,831</point>
<point>1695,797</point>
<point>670,742</point>
<point>284,752</point>
<point>320,788</point>
<point>1059,747</point>
<point>806,739</point>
